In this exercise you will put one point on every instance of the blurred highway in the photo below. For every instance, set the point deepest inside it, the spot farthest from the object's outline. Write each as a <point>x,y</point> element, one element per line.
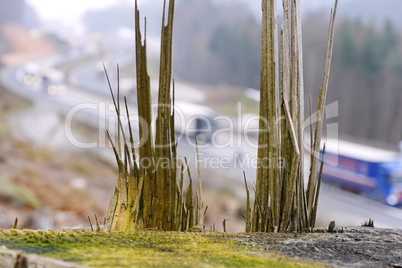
<point>86,87</point>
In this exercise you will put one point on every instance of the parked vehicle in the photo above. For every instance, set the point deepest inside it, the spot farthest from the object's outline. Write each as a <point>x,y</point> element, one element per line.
<point>372,172</point>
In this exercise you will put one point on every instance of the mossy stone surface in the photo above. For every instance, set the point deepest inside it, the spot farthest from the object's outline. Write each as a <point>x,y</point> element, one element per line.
<point>148,249</point>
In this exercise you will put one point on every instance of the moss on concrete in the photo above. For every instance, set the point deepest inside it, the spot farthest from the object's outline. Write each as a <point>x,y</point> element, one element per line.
<point>147,249</point>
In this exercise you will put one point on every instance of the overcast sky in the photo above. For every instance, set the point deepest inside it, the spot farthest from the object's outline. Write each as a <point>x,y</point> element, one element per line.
<point>69,11</point>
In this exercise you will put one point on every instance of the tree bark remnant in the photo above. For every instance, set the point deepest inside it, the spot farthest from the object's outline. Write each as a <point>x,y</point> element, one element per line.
<point>149,192</point>
<point>281,200</point>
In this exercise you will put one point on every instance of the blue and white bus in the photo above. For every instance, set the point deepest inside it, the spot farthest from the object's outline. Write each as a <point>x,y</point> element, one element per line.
<point>372,172</point>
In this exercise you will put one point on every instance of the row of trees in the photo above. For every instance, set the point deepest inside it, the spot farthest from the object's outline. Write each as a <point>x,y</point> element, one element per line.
<point>213,43</point>
<point>366,77</point>
<point>376,64</point>
<point>367,66</point>
<point>224,48</point>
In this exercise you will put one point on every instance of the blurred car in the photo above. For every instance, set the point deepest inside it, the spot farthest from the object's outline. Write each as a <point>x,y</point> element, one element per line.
<point>29,75</point>
<point>39,77</point>
<point>53,82</point>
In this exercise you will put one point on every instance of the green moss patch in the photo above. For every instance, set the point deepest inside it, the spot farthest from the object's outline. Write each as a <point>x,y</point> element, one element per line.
<point>147,249</point>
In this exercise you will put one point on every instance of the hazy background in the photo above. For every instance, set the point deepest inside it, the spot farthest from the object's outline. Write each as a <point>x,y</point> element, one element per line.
<point>216,59</point>
<point>217,42</point>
